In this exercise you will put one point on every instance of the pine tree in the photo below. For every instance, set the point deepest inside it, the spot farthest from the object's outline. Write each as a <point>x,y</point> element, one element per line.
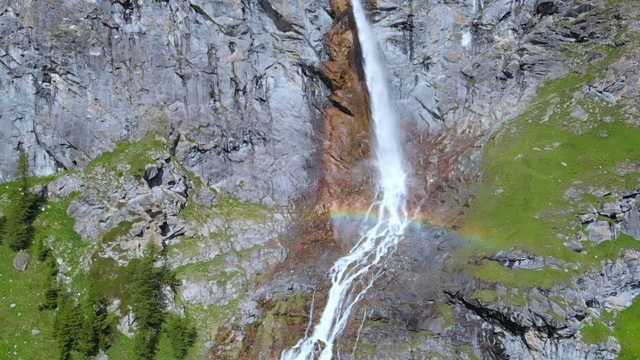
<point>51,286</point>
<point>181,333</point>
<point>92,334</point>
<point>67,325</point>
<point>94,331</point>
<point>148,303</point>
<point>20,213</point>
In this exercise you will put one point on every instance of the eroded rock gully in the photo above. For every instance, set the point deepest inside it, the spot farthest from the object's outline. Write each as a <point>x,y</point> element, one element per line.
<point>346,122</point>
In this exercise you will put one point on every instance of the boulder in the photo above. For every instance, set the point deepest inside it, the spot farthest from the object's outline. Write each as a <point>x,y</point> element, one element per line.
<point>21,261</point>
<point>611,209</point>
<point>600,231</point>
<point>631,223</point>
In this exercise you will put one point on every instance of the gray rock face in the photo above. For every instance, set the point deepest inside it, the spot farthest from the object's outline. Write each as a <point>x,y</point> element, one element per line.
<point>229,76</point>
<point>623,213</point>
<point>453,67</point>
<point>232,84</point>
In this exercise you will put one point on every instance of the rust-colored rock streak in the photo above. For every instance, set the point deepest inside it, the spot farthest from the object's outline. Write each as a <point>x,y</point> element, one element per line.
<point>346,124</point>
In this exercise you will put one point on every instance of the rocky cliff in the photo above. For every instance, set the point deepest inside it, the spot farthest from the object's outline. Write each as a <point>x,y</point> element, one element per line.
<point>234,135</point>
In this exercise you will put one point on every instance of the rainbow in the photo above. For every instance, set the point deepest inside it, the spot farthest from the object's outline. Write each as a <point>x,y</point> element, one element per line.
<point>361,215</point>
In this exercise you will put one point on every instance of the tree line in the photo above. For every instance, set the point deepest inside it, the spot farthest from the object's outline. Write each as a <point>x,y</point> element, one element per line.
<point>83,326</point>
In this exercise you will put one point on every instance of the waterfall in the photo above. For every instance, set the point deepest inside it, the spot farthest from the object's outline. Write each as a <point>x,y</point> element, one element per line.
<point>390,203</point>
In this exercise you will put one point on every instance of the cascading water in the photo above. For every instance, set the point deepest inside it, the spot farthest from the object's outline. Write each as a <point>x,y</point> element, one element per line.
<point>390,204</point>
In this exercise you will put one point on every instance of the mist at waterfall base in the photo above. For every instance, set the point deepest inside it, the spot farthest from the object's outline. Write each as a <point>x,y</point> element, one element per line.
<point>353,274</point>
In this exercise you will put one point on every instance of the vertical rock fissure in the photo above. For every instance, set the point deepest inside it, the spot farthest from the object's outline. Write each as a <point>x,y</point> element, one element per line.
<point>353,274</point>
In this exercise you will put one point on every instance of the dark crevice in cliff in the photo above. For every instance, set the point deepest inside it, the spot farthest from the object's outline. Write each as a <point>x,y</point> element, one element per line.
<point>199,10</point>
<point>489,315</point>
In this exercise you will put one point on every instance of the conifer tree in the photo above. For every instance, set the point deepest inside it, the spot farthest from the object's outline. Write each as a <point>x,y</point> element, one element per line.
<point>181,333</point>
<point>19,215</point>
<point>93,333</point>
<point>67,325</point>
<point>51,286</point>
<point>148,302</point>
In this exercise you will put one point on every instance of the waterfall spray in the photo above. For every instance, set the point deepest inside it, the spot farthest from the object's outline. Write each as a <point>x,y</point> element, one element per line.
<point>390,202</point>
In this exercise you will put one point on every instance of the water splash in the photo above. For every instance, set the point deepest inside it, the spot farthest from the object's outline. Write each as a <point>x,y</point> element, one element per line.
<point>353,274</point>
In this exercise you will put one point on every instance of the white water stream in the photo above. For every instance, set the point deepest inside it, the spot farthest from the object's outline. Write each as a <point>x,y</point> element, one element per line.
<point>390,204</point>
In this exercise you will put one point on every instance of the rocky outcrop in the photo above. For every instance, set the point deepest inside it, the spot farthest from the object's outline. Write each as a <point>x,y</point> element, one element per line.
<point>458,71</point>
<point>229,76</point>
<point>140,207</point>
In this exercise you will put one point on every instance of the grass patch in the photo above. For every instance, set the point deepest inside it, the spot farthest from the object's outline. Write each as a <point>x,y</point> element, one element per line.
<point>55,229</point>
<point>133,155</point>
<point>447,314</point>
<point>234,208</point>
<point>492,271</point>
<point>597,333</point>
<point>489,296</point>
<point>109,280</point>
<point>626,331</point>
<point>560,142</point>
<point>121,229</point>
<point>25,290</point>
<point>123,347</point>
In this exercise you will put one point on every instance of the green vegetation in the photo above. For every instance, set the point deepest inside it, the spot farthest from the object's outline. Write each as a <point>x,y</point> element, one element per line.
<point>67,326</point>
<point>86,327</point>
<point>23,206</point>
<point>22,294</point>
<point>129,158</point>
<point>148,302</point>
<point>122,229</point>
<point>71,319</point>
<point>626,331</point>
<point>447,314</point>
<point>566,140</point>
<point>510,298</point>
<point>181,334</point>
<point>51,286</point>
<point>54,228</point>
<point>597,333</point>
